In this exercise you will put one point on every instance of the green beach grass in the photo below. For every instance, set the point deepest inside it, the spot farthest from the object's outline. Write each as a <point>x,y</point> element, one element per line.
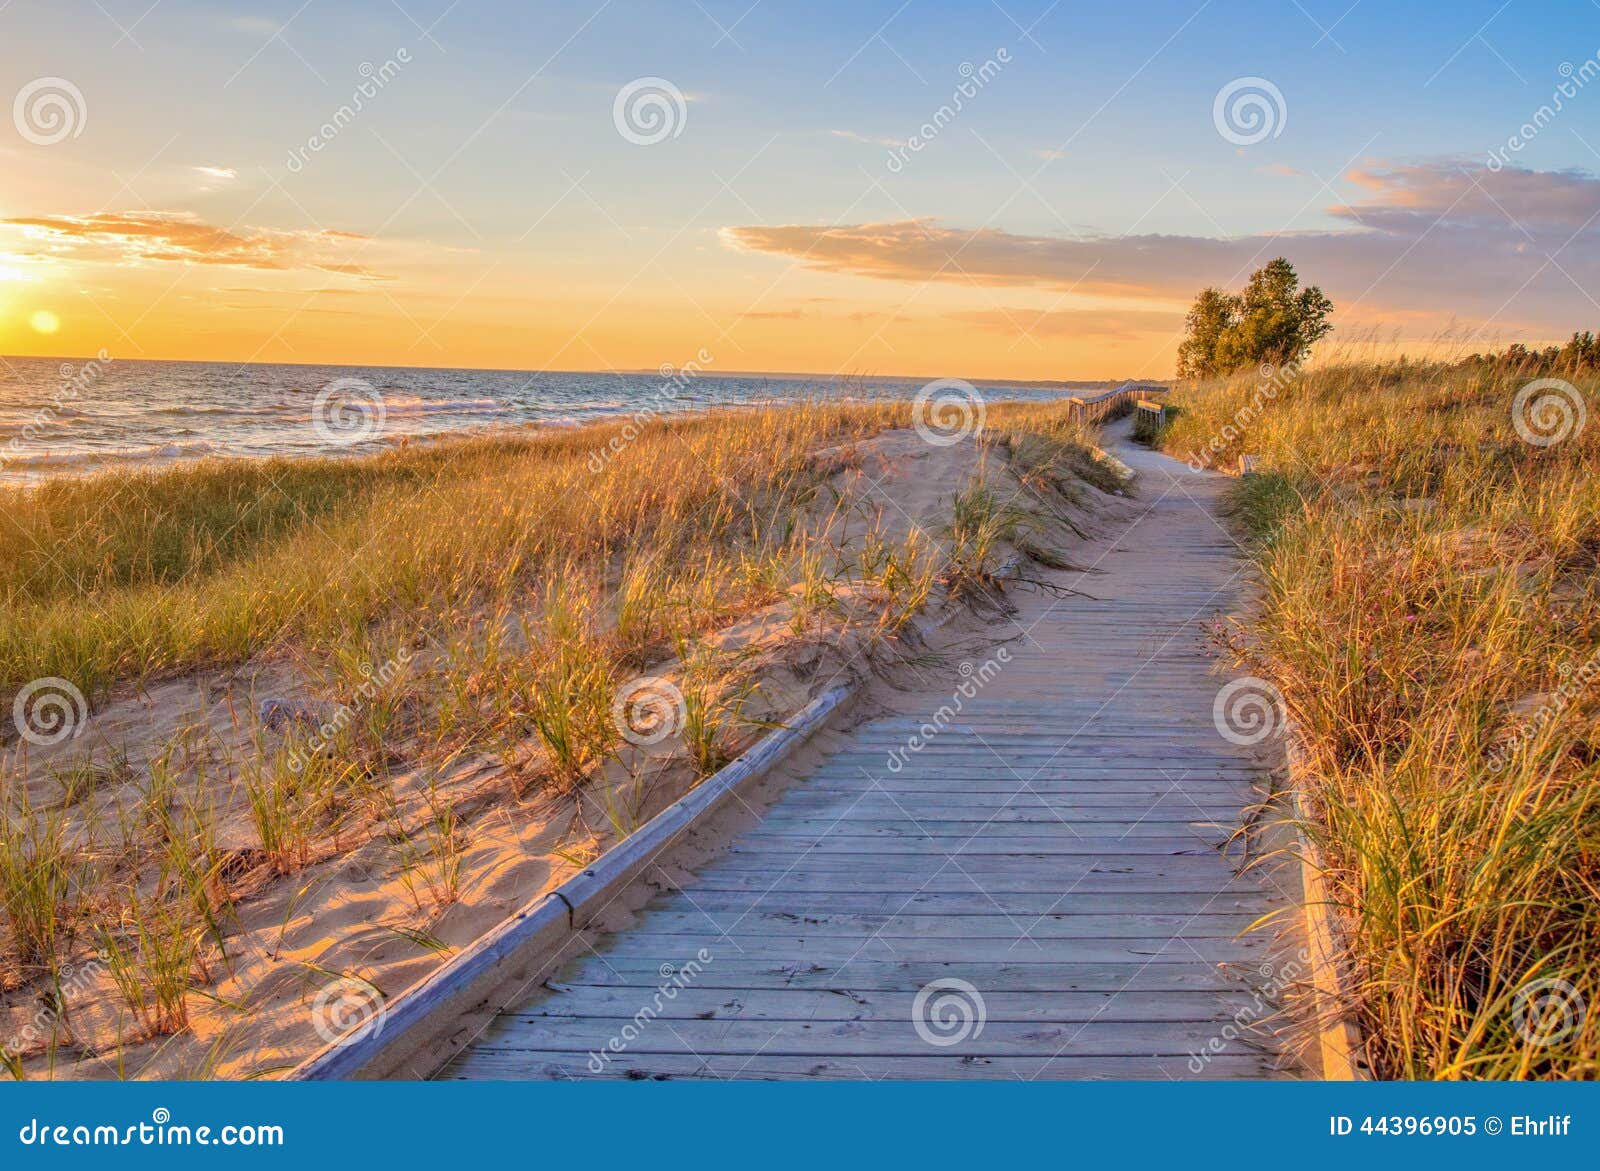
<point>1432,619</point>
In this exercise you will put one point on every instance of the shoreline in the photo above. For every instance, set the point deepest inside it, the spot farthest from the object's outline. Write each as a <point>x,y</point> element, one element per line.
<point>305,761</point>
<point>365,421</point>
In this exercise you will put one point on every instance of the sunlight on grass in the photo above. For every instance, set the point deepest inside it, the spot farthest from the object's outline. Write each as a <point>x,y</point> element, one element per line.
<point>1433,586</point>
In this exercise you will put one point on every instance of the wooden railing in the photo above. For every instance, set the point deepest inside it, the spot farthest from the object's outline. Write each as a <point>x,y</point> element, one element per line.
<point>1113,404</point>
<point>1148,419</point>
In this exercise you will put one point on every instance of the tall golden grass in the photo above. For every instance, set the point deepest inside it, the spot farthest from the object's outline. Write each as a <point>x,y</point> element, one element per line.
<point>132,574</point>
<point>1432,617</point>
<point>480,598</point>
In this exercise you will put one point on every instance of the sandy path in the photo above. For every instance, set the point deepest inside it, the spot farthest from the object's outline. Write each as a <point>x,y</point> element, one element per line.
<point>1026,868</point>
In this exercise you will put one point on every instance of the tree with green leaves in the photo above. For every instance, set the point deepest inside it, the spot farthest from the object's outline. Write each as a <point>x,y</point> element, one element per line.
<point>1272,320</point>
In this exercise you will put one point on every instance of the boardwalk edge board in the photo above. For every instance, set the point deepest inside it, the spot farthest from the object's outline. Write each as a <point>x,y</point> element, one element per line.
<point>1340,1045</point>
<point>415,1035</point>
<point>419,1032</point>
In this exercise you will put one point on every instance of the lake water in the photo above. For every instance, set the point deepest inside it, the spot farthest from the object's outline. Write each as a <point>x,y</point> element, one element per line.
<point>61,417</point>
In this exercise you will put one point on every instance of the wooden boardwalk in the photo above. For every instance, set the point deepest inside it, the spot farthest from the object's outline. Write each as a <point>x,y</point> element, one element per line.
<point>1049,888</point>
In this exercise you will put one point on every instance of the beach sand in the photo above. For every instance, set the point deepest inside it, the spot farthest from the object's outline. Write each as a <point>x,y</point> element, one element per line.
<point>303,957</point>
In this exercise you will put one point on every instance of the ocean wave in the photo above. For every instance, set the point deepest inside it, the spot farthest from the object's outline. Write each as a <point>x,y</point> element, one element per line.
<point>43,413</point>
<point>464,406</point>
<point>300,412</point>
<point>264,411</point>
<point>76,457</point>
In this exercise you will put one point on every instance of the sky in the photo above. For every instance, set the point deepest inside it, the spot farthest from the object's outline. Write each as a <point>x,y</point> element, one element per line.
<point>1017,189</point>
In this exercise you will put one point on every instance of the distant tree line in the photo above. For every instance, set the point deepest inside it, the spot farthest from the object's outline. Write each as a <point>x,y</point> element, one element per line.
<point>1580,355</point>
<point>1272,320</point>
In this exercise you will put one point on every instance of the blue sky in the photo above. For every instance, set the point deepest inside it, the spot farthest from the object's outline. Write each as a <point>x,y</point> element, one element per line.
<point>505,221</point>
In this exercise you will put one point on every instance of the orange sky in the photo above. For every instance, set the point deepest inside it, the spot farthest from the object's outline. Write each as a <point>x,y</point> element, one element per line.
<point>209,297</point>
<point>217,190</point>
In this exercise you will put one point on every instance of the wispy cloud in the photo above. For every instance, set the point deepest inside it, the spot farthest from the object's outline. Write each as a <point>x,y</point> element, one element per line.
<point>1439,237</point>
<point>868,139</point>
<point>181,237</point>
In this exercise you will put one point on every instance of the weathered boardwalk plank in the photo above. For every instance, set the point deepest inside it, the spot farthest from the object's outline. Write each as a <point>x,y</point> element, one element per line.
<point>1062,862</point>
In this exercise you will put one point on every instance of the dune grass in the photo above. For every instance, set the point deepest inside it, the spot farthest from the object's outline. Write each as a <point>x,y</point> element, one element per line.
<point>1432,617</point>
<point>427,610</point>
<point>134,574</point>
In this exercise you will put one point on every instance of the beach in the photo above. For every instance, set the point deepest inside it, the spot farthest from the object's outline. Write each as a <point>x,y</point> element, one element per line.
<point>292,732</point>
<point>73,416</point>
